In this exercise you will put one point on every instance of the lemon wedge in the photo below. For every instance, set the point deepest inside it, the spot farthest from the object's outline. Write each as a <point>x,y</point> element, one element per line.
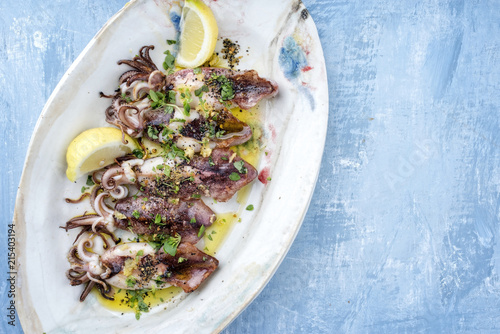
<point>96,148</point>
<point>198,34</point>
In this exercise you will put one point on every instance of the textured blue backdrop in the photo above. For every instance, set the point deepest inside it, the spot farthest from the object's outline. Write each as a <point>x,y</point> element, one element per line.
<point>401,235</point>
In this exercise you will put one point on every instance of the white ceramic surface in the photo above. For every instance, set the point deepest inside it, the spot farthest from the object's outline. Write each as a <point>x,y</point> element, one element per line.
<point>283,45</point>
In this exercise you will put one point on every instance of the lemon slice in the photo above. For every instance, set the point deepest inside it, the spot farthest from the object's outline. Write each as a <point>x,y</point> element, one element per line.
<point>94,149</point>
<point>198,34</point>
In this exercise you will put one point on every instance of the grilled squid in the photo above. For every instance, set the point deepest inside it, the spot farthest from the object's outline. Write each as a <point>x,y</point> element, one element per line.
<point>147,216</point>
<point>96,261</point>
<point>219,176</point>
<point>188,107</point>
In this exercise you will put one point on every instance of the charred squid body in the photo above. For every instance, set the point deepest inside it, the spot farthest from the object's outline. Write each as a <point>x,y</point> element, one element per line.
<point>158,216</point>
<point>138,266</point>
<point>147,216</point>
<point>224,87</point>
<point>198,131</point>
<point>134,266</point>
<point>218,176</point>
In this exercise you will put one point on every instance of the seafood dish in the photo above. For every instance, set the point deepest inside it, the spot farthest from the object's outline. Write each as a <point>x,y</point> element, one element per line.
<point>186,127</point>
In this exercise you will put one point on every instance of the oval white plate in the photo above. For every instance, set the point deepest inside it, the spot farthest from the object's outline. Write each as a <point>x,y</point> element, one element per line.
<point>283,45</point>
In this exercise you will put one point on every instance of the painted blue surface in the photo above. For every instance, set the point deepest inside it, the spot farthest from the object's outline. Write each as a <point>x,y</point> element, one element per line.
<point>292,61</point>
<point>292,58</point>
<point>401,235</point>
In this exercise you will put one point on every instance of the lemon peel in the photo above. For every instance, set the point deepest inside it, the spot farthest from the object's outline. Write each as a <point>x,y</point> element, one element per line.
<point>96,148</point>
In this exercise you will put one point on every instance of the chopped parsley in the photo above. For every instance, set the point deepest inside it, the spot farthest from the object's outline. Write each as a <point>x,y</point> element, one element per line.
<point>136,301</point>
<point>200,232</point>
<point>199,92</point>
<point>234,176</point>
<point>171,41</point>
<point>159,220</point>
<point>249,207</point>
<point>136,214</point>
<point>172,151</point>
<point>138,255</point>
<point>169,62</point>
<point>219,133</point>
<point>171,243</point>
<point>187,108</point>
<point>126,98</point>
<point>152,132</point>
<point>226,87</point>
<point>161,100</point>
<point>186,100</point>
<point>240,166</point>
<point>90,181</point>
<point>170,97</point>
<point>166,171</point>
<point>138,153</point>
<point>130,281</point>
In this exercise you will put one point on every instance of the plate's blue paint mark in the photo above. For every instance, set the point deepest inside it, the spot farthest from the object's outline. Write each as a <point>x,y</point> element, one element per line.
<point>292,58</point>
<point>176,20</point>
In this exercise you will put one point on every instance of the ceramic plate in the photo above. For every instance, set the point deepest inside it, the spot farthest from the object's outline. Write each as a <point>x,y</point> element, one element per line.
<point>282,44</point>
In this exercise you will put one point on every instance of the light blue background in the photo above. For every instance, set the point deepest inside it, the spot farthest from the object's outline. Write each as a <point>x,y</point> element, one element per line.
<point>401,235</point>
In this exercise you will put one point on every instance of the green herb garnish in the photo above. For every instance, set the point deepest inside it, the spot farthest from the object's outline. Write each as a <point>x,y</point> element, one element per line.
<point>226,87</point>
<point>169,62</point>
<point>240,166</point>
<point>199,91</point>
<point>152,132</point>
<point>171,243</point>
<point>90,181</point>
<point>200,232</point>
<point>130,281</point>
<point>159,220</point>
<point>138,153</point>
